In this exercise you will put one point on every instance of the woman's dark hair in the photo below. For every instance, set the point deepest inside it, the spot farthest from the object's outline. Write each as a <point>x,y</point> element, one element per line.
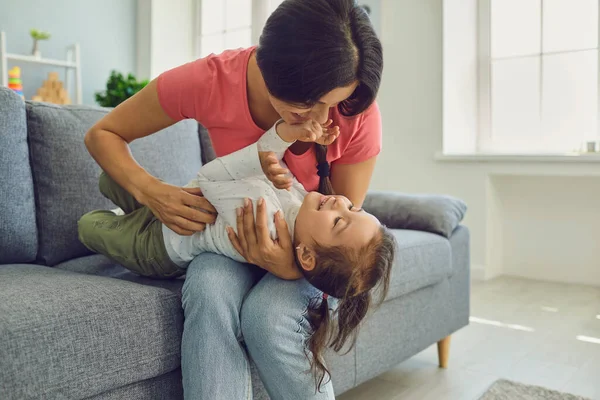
<point>310,47</point>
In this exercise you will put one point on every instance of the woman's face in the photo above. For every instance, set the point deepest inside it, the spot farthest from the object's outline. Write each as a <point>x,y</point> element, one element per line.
<point>293,114</point>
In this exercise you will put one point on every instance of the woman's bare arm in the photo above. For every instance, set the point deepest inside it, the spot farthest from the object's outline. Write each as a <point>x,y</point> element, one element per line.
<point>107,141</point>
<point>139,116</point>
<point>352,180</point>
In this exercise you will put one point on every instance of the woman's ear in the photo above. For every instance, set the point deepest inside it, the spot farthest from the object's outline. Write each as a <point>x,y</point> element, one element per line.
<point>306,257</point>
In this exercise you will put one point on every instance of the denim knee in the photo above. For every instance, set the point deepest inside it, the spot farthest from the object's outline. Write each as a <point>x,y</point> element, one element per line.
<point>214,289</point>
<point>276,309</point>
<point>275,329</point>
<point>211,354</point>
<point>216,279</point>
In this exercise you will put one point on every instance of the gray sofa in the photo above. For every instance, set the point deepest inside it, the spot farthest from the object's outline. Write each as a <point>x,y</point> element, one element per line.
<point>73,325</point>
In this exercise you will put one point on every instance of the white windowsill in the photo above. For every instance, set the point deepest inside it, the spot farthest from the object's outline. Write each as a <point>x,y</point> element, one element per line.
<point>519,158</point>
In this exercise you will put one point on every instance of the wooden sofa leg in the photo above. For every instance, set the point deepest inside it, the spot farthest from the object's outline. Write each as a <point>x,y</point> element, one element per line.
<point>444,351</point>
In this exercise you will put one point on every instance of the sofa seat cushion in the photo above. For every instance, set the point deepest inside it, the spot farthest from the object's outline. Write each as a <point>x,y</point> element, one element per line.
<point>68,335</point>
<point>422,259</point>
<point>18,231</point>
<point>66,176</point>
<point>99,265</point>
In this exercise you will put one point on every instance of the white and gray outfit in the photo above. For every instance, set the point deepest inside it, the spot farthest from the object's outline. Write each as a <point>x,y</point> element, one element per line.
<point>225,183</point>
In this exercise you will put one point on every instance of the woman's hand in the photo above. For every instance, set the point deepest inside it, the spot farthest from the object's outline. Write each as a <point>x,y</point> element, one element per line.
<point>254,243</point>
<point>183,210</point>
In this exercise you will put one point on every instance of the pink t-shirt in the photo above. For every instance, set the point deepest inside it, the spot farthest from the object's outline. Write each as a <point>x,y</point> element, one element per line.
<point>213,91</point>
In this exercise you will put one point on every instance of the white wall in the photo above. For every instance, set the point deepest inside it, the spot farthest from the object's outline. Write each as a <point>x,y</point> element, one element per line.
<point>166,32</point>
<point>144,38</point>
<point>411,103</point>
<point>172,34</point>
<point>551,226</point>
<point>459,89</point>
<point>509,233</point>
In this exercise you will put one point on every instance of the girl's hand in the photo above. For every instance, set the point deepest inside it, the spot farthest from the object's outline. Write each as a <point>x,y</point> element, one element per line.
<point>183,210</point>
<point>309,131</point>
<point>280,176</point>
<point>254,242</point>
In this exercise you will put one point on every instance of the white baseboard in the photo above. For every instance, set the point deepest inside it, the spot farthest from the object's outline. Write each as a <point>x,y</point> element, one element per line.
<point>479,273</point>
<point>558,278</point>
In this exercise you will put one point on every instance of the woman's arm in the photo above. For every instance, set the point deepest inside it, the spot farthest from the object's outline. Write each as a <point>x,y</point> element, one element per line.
<point>107,141</point>
<point>245,162</point>
<point>352,180</point>
<point>352,172</point>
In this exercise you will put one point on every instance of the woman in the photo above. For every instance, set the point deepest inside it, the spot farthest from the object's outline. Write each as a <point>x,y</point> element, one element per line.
<point>317,59</point>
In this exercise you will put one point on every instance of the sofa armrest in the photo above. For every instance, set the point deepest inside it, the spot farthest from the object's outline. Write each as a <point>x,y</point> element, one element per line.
<point>431,213</point>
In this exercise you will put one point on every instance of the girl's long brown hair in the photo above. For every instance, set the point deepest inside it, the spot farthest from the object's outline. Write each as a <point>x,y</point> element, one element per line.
<point>348,275</point>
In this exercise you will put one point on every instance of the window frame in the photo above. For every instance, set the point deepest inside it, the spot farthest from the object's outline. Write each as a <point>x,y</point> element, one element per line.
<point>484,139</point>
<point>261,9</point>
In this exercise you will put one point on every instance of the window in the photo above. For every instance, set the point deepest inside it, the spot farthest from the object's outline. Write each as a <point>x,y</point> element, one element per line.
<point>230,24</point>
<point>538,75</point>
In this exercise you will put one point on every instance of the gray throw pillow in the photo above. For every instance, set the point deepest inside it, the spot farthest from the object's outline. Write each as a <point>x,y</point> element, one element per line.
<point>430,213</point>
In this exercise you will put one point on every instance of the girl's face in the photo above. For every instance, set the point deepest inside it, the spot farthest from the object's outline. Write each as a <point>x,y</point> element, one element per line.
<point>294,114</point>
<point>333,221</point>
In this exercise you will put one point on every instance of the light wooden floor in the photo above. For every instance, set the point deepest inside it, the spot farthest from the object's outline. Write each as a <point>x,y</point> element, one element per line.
<point>545,334</point>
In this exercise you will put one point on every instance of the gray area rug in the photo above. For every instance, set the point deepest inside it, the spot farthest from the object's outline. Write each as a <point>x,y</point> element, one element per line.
<point>508,390</point>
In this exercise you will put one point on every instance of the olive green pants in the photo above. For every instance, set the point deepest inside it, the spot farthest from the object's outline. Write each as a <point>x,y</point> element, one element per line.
<point>134,240</point>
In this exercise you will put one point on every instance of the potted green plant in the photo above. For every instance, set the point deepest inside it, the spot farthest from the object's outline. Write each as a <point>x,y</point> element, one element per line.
<point>118,89</point>
<point>37,36</point>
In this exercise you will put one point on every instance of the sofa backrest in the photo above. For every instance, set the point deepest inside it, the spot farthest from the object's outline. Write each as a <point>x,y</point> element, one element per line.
<point>18,231</point>
<point>66,177</point>
<point>48,180</point>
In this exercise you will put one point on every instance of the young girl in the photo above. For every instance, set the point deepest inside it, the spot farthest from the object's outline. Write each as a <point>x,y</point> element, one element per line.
<point>340,249</point>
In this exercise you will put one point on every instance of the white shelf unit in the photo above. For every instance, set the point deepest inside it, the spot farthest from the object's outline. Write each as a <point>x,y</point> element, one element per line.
<point>72,63</point>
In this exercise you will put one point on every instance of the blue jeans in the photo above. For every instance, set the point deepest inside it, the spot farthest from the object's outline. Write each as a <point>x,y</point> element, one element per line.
<point>225,303</point>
